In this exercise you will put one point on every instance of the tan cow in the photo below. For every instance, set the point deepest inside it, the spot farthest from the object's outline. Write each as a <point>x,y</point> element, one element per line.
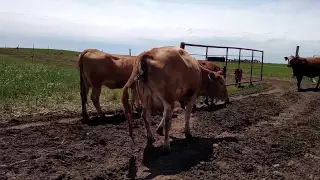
<point>98,68</point>
<point>170,74</point>
<point>212,67</point>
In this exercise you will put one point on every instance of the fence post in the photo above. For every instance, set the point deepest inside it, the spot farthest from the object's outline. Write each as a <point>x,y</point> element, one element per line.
<point>297,51</point>
<point>226,63</point>
<point>262,64</point>
<point>251,68</point>
<point>206,53</point>
<point>182,45</point>
<point>239,58</point>
<point>129,52</point>
<point>32,52</point>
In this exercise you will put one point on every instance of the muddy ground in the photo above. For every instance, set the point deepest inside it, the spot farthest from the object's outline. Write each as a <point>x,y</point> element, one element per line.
<point>273,135</point>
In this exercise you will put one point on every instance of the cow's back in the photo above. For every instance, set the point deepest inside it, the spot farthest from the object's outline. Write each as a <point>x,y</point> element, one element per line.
<point>209,65</point>
<point>306,67</point>
<point>103,68</point>
<point>173,70</point>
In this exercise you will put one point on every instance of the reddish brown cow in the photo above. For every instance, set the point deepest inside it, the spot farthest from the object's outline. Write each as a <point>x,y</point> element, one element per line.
<point>98,68</point>
<point>238,76</point>
<point>169,74</point>
<point>212,67</point>
<point>301,66</point>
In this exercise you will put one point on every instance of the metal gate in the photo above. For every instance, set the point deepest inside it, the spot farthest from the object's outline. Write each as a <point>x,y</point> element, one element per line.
<point>224,59</point>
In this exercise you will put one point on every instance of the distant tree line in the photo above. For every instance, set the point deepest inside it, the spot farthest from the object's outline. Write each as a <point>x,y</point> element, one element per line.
<point>222,59</point>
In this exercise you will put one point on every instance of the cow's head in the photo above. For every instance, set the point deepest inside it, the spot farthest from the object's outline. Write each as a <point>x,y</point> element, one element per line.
<point>217,88</point>
<point>291,60</point>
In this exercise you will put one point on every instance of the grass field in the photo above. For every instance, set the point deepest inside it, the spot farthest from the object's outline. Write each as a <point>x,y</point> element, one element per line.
<point>50,81</point>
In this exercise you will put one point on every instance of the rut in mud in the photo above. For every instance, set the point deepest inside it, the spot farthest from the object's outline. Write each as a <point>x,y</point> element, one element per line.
<point>272,135</point>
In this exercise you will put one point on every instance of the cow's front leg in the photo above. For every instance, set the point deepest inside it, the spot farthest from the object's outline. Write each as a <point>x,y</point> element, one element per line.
<point>299,79</point>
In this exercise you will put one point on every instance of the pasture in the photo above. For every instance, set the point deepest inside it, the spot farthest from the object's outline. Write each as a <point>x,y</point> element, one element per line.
<point>269,131</point>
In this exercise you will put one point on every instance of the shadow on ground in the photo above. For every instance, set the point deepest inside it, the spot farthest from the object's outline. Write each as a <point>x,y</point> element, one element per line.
<point>185,153</point>
<point>310,90</point>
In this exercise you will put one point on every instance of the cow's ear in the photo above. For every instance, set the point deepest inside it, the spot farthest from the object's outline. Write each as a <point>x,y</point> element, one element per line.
<point>286,58</point>
<point>211,76</point>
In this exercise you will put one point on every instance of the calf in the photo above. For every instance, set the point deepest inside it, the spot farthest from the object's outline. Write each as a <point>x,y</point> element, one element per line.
<point>237,76</point>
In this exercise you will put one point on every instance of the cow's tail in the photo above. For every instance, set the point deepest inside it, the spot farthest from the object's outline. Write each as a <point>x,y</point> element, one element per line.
<point>83,84</point>
<point>139,72</point>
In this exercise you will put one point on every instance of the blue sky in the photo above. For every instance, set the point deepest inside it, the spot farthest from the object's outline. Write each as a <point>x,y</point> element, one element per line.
<point>276,27</point>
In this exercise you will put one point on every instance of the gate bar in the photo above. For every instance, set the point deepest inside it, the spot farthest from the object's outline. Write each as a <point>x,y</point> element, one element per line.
<point>230,47</point>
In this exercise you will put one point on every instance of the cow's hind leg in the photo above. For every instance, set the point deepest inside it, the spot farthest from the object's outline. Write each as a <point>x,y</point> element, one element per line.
<point>160,126</point>
<point>187,115</point>
<point>211,101</point>
<point>318,82</point>
<point>168,110</point>
<point>84,99</point>
<point>182,104</point>
<point>206,101</point>
<point>95,95</point>
<point>146,116</point>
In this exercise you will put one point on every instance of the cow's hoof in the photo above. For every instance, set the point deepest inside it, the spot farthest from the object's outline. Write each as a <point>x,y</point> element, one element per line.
<point>187,134</point>
<point>102,116</point>
<point>166,149</point>
<point>150,141</point>
<point>85,116</point>
<point>160,131</point>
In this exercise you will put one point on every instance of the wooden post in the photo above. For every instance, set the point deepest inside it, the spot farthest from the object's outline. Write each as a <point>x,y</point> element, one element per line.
<point>226,63</point>
<point>261,65</point>
<point>32,51</point>
<point>251,68</point>
<point>297,51</point>
<point>206,53</point>
<point>129,52</point>
<point>182,45</point>
<point>239,58</point>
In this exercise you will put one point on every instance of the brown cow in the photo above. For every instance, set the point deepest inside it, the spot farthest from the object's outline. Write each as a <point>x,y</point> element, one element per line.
<point>237,76</point>
<point>98,68</point>
<point>301,66</point>
<point>169,74</point>
<point>212,67</point>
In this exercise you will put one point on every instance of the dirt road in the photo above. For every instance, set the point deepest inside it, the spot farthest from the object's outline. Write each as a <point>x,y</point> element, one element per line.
<point>274,135</point>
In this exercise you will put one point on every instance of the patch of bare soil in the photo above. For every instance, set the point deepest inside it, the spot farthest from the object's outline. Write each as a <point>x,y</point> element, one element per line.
<point>264,136</point>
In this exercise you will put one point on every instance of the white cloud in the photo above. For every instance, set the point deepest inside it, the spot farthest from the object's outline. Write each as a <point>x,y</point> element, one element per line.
<point>274,26</point>
<point>123,19</point>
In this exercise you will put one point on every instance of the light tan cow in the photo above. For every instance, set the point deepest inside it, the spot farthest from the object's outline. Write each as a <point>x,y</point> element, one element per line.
<point>170,74</point>
<point>212,67</point>
<point>98,68</point>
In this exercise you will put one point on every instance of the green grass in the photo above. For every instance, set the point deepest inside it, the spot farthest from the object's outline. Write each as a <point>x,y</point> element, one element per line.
<point>50,81</point>
<point>50,84</point>
<point>280,71</point>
